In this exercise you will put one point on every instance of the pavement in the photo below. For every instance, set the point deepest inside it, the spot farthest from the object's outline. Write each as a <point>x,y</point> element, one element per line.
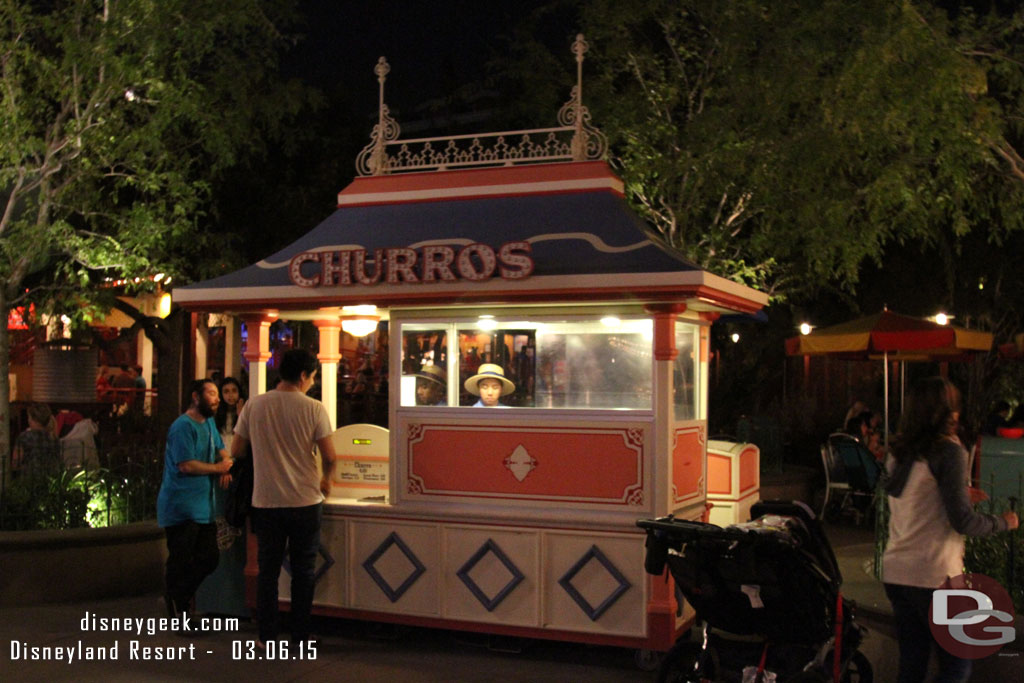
<point>361,651</point>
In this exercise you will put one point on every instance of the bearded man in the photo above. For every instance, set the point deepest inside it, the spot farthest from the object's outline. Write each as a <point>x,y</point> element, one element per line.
<point>194,458</point>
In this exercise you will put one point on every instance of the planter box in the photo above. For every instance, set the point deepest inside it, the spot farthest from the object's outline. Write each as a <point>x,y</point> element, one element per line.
<point>80,564</point>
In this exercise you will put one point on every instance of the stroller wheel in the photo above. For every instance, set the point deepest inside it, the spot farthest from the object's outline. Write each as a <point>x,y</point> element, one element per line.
<point>648,660</point>
<point>687,662</point>
<point>858,670</point>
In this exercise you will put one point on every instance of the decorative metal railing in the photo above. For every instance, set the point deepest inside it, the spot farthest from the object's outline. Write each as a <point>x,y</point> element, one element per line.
<point>575,139</point>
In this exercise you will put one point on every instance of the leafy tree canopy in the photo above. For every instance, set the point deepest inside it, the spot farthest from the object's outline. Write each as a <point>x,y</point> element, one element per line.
<point>784,144</point>
<point>115,118</point>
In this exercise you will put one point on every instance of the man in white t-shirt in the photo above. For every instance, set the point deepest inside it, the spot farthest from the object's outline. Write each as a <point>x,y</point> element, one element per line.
<point>289,485</point>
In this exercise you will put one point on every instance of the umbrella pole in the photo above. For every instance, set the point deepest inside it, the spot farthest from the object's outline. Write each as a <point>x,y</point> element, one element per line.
<point>885,374</point>
<point>903,384</point>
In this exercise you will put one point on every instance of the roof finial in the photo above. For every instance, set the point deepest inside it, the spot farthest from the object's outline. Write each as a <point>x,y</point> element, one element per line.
<point>575,139</point>
<point>373,159</point>
<point>587,141</point>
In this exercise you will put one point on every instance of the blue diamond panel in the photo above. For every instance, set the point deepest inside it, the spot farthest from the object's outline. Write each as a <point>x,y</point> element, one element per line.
<point>517,576</point>
<point>566,583</point>
<point>328,562</point>
<point>393,593</point>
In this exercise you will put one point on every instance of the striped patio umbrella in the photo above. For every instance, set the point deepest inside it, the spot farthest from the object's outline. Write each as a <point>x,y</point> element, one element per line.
<point>891,336</point>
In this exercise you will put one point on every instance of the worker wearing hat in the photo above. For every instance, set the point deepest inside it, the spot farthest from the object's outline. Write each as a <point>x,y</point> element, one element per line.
<point>431,386</point>
<point>490,384</point>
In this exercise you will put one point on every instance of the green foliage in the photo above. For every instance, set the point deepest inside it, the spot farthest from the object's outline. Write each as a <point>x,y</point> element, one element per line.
<point>73,497</point>
<point>785,144</point>
<point>58,501</point>
<point>995,555</point>
<point>114,119</point>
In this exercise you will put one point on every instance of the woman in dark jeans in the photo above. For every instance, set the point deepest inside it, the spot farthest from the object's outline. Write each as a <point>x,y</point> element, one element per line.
<point>930,515</point>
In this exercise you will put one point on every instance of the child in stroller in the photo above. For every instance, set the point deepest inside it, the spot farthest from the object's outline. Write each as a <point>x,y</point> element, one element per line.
<point>768,594</point>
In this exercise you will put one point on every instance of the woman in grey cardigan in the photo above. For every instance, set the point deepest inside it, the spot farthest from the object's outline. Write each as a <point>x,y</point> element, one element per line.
<point>930,515</point>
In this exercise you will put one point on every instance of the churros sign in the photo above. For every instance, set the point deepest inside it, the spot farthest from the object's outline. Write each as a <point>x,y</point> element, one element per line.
<point>429,264</point>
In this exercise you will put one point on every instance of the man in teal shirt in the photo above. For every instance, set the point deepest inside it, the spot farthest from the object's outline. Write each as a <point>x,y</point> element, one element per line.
<point>194,458</point>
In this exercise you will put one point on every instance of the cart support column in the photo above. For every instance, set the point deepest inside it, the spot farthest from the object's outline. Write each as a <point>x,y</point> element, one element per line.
<point>329,355</point>
<point>257,350</point>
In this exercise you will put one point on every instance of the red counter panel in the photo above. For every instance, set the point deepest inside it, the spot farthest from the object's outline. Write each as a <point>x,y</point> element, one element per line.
<point>522,462</point>
<point>688,463</point>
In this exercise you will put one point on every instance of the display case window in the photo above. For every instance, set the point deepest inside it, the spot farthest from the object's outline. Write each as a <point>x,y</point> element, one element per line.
<point>569,364</point>
<point>424,365</point>
<point>685,378</point>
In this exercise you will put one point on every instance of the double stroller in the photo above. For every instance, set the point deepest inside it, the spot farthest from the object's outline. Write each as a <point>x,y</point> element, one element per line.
<point>768,594</point>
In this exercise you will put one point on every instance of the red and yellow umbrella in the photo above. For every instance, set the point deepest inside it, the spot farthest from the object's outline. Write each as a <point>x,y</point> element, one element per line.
<point>900,337</point>
<point>891,336</point>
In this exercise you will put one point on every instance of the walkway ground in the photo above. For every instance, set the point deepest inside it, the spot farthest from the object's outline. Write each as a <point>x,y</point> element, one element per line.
<point>357,651</point>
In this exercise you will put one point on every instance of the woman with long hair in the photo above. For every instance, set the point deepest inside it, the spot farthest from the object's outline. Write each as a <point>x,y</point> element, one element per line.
<point>231,402</point>
<point>930,513</point>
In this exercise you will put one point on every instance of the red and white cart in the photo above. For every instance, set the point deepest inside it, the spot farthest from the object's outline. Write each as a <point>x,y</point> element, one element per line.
<point>518,250</point>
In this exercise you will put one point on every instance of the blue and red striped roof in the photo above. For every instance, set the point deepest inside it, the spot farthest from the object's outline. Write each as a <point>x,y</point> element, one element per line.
<point>569,219</point>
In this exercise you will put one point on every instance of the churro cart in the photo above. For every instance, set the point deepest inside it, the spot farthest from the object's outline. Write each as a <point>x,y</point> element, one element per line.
<point>517,250</point>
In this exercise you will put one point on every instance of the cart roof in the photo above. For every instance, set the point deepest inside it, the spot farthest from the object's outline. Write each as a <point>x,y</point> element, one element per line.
<point>544,233</point>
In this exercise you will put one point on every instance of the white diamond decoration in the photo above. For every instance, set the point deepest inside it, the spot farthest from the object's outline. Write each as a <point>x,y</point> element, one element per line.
<point>520,463</point>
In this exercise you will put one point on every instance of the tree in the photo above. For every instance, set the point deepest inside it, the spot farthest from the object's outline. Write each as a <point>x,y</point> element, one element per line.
<point>786,144</point>
<point>115,117</point>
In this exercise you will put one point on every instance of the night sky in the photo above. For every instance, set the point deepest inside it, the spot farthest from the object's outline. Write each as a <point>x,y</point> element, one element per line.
<point>435,50</point>
<point>432,47</point>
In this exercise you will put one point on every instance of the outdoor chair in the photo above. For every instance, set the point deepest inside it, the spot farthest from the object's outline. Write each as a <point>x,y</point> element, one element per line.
<point>836,484</point>
<point>852,473</point>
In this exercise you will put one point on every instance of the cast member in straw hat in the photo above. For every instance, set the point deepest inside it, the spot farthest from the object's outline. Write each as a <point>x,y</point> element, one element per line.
<point>431,386</point>
<point>489,383</point>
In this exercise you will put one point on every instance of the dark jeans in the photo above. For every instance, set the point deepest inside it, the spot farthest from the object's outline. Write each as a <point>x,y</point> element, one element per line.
<point>192,555</point>
<point>299,530</point>
<point>910,611</point>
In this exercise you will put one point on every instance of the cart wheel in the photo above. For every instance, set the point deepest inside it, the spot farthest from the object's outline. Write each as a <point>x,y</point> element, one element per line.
<point>683,664</point>
<point>648,660</point>
<point>859,669</point>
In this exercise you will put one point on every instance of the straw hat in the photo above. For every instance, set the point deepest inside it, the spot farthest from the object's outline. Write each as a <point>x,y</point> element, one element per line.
<point>432,373</point>
<point>489,371</point>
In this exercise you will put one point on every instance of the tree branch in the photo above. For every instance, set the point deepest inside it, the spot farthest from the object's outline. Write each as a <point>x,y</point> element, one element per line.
<point>1006,150</point>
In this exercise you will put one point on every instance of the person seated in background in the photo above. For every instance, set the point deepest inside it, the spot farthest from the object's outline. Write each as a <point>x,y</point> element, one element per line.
<point>37,449</point>
<point>860,428</point>
<point>124,385</point>
<point>140,379</point>
<point>431,386</point>
<point>103,389</point>
<point>998,418</point>
<point>856,408</point>
<point>78,445</point>
<point>490,384</point>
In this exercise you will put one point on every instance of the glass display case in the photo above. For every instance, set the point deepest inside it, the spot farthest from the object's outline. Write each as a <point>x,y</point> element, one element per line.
<point>595,363</point>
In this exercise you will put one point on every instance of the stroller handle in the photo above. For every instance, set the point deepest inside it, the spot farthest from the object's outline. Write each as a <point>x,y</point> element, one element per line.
<point>681,529</point>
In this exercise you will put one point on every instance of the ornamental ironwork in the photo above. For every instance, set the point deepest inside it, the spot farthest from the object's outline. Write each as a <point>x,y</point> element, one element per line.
<point>574,139</point>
